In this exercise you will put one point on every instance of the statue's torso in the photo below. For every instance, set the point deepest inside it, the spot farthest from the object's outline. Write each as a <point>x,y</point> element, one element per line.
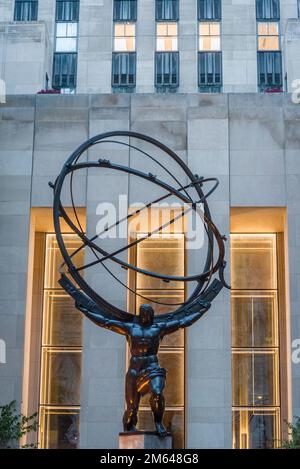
<point>144,341</point>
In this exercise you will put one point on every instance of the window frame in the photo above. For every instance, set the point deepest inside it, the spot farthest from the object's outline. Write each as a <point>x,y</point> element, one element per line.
<point>67,23</point>
<point>264,86</point>
<point>126,85</point>
<point>47,403</point>
<point>258,23</point>
<point>260,16</point>
<point>122,20</point>
<point>216,16</point>
<point>62,87</point>
<point>115,37</point>
<point>19,3</point>
<point>74,53</point>
<point>166,36</point>
<point>73,20</point>
<point>249,393</point>
<point>209,23</point>
<point>165,85</point>
<point>207,87</point>
<point>159,18</point>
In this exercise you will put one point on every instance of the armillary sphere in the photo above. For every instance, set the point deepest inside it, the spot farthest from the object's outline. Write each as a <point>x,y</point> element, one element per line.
<point>206,284</point>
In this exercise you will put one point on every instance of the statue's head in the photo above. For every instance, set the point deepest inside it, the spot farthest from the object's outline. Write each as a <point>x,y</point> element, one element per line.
<point>146,315</point>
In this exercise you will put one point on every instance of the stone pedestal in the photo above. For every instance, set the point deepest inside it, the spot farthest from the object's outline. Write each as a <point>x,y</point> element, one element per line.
<point>144,440</point>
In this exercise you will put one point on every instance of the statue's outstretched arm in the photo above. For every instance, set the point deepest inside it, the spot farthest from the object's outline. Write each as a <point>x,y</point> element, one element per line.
<point>193,311</point>
<point>101,320</point>
<point>191,315</point>
<point>91,310</point>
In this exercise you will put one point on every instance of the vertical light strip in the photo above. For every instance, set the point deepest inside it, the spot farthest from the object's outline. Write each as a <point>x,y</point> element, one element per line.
<point>255,341</point>
<point>60,357</point>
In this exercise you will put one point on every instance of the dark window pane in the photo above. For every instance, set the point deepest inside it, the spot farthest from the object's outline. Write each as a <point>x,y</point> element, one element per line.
<point>25,10</point>
<point>55,259</point>
<point>254,318</point>
<point>61,428</point>
<point>167,10</point>
<point>255,429</point>
<point>209,10</point>
<point>167,69</point>
<point>255,378</point>
<point>67,10</point>
<point>123,69</point>
<point>64,70</point>
<point>267,9</point>
<point>61,376</point>
<point>269,70</point>
<point>62,324</point>
<point>254,258</point>
<point>125,10</point>
<point>209,71</point>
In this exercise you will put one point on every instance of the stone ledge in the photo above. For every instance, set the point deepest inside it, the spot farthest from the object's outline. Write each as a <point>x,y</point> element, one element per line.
<point>144,440</point>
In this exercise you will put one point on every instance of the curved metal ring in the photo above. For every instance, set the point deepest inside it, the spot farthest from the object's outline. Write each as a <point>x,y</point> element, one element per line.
<point>58,212</point>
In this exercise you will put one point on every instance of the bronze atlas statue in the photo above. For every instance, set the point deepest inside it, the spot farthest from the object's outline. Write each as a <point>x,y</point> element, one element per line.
<point>146,330</point>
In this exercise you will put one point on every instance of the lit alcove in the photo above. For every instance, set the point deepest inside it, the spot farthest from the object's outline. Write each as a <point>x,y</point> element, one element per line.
<point>260,387</point>
<point>53,339</point>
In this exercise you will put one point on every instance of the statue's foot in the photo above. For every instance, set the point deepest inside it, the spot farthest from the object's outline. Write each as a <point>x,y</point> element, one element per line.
<point>160,430</point>
<point>130,428</point>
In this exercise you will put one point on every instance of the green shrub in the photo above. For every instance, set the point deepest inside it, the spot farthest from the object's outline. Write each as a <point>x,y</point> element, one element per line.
<point>294,432</point>
<point>13,426</point>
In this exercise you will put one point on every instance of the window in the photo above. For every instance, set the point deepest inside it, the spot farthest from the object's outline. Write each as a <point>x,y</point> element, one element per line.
<point>209,55</point>
<point>64,71</point>
<point>123,69</point>
<point>65,55</point>
<point>124,40</point>
<point>210,72</point>
<point>25,10</point>
<point>124,56</point>
<point>298,8</point>
<point>167,10</point>
<point>125,10</point>
<point>166,37</point>
<point>209,10</point>
<point>167,69</point>
<point>269,56</point>
<point>60,356</point>
<point>209,37</point>
<point>66,37</point>
<point>67,10</point>
<point>166,56</point>
<point>255,341</point>
<point>269,70</point>
<point>268,35</point>
<point>267,10</point>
